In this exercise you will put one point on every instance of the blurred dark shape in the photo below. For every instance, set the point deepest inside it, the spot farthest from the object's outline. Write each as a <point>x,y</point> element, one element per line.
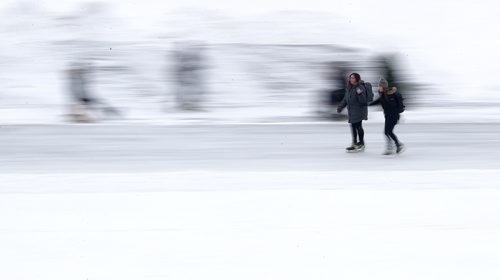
<point>83,103</point>
<point>78,88</point>
<point>388,70</point>
<point>391,70</point>
<point>339,82</point>
<point>189,76</point>
<point>337,78</point>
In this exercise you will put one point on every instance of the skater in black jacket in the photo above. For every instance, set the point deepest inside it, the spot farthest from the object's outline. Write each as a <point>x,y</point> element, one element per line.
<point>392,103</point>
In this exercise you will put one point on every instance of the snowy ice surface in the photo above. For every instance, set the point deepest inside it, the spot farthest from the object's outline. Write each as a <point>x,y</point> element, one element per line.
<point>413,225</point>
<point>261,201</point>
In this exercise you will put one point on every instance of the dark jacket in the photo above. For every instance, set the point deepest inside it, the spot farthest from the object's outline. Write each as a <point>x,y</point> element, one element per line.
<point>356,103</point>
<point>390,101</point>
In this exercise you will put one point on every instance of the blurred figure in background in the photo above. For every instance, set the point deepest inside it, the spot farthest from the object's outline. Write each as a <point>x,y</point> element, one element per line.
<point>392,103</point>
<point>390,69</point>
<point>339,84</point>
<point>356,102</point>
<point>337,81</point>
<point>78,75</point>
<point>189,75</point>
<point>82,101</point>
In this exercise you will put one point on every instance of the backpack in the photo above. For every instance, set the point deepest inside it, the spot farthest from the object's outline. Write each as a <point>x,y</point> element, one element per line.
<point>401,105</point>
<point>369,91</point>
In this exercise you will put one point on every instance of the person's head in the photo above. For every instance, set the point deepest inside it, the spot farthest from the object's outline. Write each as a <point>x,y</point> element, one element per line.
<point>383,85</point>
<point>354,79</point>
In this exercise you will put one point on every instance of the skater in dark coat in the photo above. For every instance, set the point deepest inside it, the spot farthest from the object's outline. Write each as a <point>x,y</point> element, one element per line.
<point>81,99</point>
<point>83,102</point>
<point>355,100</point>
<point>392,103</point>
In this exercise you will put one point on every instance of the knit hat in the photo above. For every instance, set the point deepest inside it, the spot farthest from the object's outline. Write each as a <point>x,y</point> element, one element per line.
<point>383,83</point>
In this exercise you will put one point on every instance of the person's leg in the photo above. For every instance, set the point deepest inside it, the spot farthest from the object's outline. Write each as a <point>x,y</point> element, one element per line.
<point>399,146</point>
<point>389,147</point>
<point>357,130</point>
<point>361,133</point>
<point>390,123</point>
<point>354,133</point>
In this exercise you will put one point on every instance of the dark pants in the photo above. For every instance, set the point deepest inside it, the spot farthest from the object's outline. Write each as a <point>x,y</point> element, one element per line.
<point>357,130</point>
<point>390,123</point>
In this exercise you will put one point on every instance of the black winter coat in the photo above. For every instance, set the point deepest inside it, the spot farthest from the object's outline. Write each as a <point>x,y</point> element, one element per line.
<point>356,103</point>
<point>390,102</point>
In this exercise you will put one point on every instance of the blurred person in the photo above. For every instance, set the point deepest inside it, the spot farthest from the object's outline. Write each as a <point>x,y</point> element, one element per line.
<point>188,71</point>
<point>78,88</point>
<point>83,102</point>
<point>392,104</point>
<point>390,69</point>
<point>356,102</point>
<point>337,82</point>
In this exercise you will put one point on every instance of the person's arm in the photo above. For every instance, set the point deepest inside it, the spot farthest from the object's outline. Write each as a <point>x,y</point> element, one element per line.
<point>342,103</point>
<point>361,95</point>
<point>375,102</point>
